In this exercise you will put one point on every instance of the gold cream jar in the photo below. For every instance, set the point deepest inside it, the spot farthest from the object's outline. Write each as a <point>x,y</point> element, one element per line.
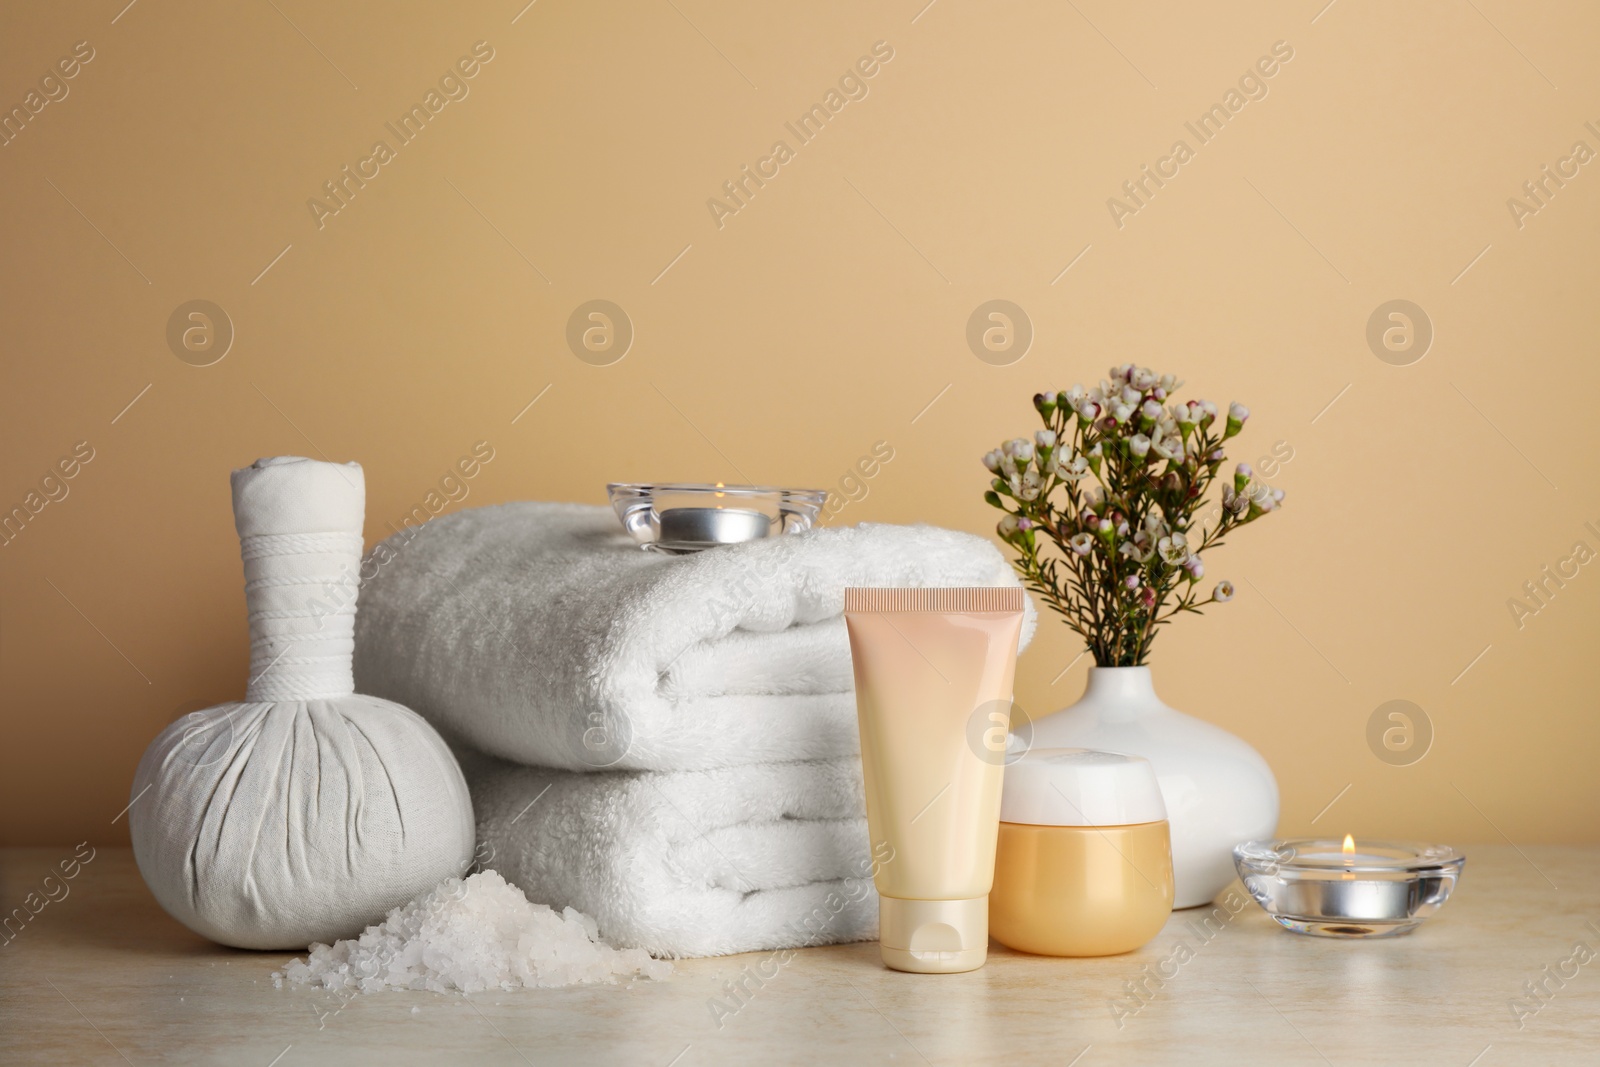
<point>1083,866</point>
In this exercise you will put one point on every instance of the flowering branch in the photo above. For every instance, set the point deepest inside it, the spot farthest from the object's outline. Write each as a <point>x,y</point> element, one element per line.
<point>1103,507</point>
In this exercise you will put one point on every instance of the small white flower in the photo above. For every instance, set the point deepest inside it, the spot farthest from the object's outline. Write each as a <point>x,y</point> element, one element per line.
<point>1096,496</point>
<point>1121,412</point>
<point>1151,410</point>
<point>1045,438</point>
<point>1143,378</point>
<point>992,460</point>
<point>1139,444</point>
<point>1224,591</point>
<point>1244,470</point>
<point>1131,581</point>
<point>1021,449</point>
<point>1278,495</point>
<point>1195,568</point>
<point>1007,525</point>
<point>1081,543</point>
<point>1131,396</point>
<point>1088,410</point>
<point>1031,482</point>
<point>1073,469</point>
<point>1070,397</point>
<point>1170,382</point>
<point>1208,410</point>
<point>1238,411</point>
<point>1261,496</point>
<point>1167,447</point>
<point>1174,548</point>
<point>1185,414</point>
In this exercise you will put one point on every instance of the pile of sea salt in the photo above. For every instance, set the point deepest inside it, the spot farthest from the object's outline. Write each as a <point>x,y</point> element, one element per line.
<point>468,936</point>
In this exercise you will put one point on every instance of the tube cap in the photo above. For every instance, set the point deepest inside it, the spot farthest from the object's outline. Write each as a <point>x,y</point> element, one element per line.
<point>934,936</point>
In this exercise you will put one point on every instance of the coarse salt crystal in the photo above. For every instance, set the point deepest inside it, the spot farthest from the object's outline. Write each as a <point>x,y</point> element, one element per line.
<point>468,936</point>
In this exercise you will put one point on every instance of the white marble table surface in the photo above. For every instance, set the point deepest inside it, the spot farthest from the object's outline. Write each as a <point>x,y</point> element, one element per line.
<point>103,976</point>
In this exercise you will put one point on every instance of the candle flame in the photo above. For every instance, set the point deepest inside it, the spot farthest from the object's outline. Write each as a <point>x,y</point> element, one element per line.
<point>1349,846</point>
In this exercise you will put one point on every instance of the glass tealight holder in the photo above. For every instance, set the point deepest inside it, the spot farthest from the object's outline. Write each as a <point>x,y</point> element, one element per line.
<point>682,517</point>
<point>1336,889</point>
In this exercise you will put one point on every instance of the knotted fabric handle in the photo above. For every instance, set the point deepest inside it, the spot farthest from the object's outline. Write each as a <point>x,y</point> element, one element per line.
<point>299,523</point>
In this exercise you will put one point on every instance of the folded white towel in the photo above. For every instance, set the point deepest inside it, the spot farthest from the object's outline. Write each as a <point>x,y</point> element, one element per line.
<point>541,633</point>
<point>687,863</point>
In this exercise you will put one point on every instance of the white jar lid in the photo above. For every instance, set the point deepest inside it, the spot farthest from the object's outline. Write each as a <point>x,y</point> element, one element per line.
<point>1081,787</point>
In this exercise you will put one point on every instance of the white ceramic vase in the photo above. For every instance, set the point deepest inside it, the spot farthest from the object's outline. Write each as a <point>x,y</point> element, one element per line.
<point>1218,790</point>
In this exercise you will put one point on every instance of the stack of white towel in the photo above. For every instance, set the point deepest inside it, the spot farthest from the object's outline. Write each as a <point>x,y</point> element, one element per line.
<point>666,743</point>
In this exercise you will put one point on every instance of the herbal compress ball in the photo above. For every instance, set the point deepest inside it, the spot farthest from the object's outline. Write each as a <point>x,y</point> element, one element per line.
<point>306,811</point>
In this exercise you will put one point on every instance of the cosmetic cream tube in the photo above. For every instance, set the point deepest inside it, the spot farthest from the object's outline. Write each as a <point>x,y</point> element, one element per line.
<point>934,670</point>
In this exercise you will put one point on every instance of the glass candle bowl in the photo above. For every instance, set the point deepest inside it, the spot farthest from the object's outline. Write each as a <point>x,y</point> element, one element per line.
<point>1340,889</point>
<point>681,517</point>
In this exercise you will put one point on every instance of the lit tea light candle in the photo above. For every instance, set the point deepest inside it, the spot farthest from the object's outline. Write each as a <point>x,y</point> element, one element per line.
<point>678,518</point>
<point>1334,890</point>
<point>714,525</point>
<point>1347,854</point>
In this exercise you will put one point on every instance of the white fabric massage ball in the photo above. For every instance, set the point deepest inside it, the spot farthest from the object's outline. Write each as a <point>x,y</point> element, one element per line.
<point>306,811</point>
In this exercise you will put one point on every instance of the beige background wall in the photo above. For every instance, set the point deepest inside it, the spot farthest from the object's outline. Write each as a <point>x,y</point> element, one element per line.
<point>821,318</point>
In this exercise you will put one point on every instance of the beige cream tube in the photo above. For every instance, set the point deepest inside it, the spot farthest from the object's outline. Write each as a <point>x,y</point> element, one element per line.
<point>934,670</point>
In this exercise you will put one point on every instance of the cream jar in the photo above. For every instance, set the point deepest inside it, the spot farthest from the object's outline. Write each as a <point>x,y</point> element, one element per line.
<point>1083,866</point>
